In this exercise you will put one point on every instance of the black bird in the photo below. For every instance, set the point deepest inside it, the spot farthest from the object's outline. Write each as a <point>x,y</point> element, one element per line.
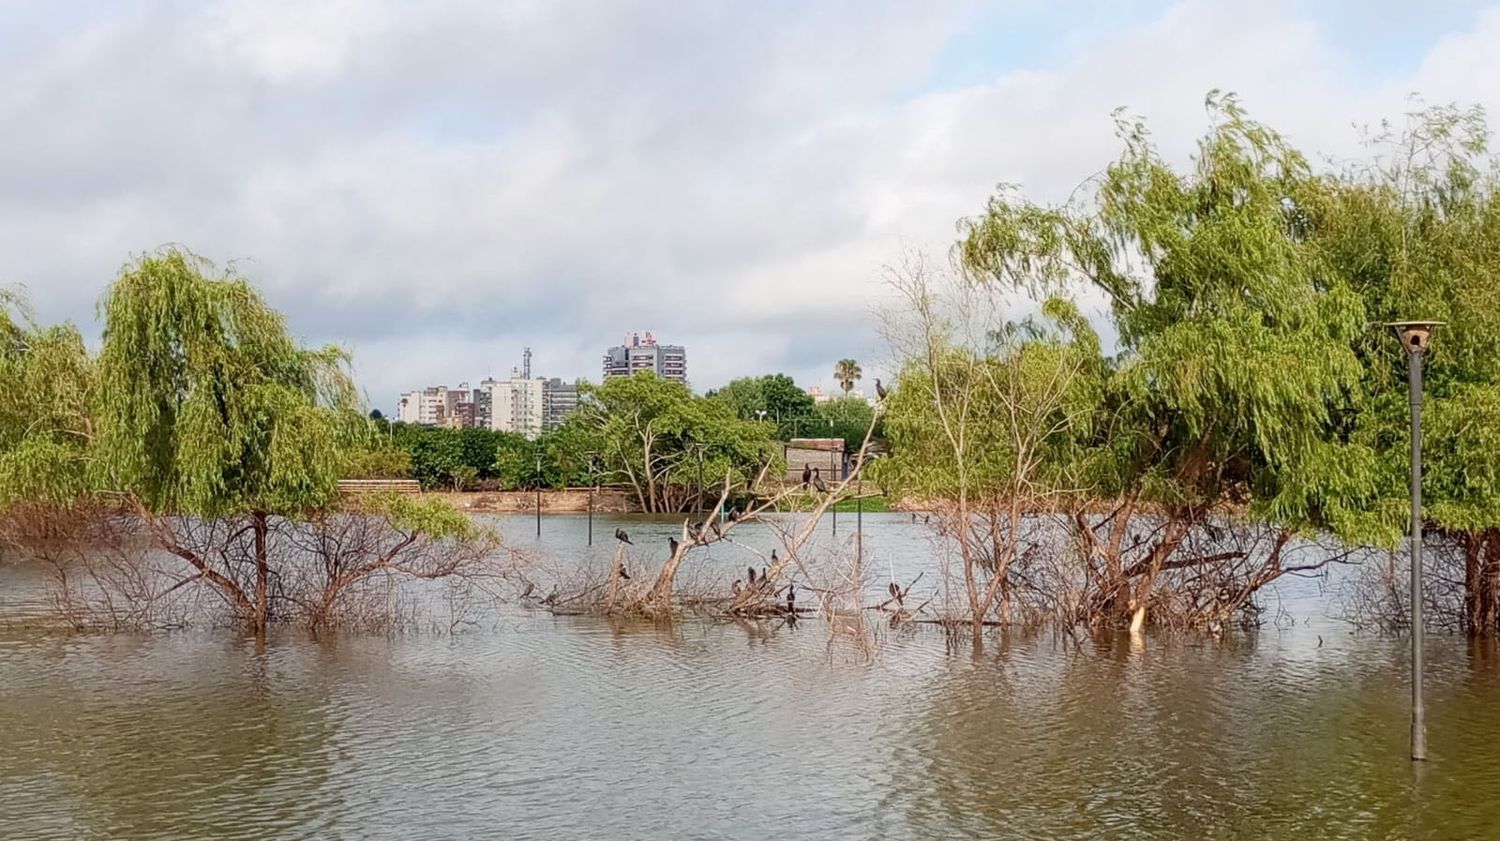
<point>713,526</point>
<point>736,587</point>
<point>750,573</point>
<point>530,588</point>
<point>672,545</point>
<point>817,482</point>
<point>894,590</point>
<point>623,574</point>
<point>764,579</point>
<point>621,536</point>
<point>880,389</point>
<point>791,598</point>
<point>806,474</point>
<point>773,556</point>
<point>551,597</point>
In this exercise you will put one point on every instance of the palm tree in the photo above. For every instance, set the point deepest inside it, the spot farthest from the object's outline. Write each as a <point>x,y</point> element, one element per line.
<point>846,372</point>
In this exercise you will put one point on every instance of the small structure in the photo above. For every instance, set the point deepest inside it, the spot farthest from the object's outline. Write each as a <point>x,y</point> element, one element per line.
<point>355,487</point>
<point>829,455</point>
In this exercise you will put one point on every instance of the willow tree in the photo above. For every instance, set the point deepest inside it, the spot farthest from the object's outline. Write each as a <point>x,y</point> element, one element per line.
<point>1415,230</point>
<point>1236,350</point>
<point>45,376</point>
<point>207,407</point>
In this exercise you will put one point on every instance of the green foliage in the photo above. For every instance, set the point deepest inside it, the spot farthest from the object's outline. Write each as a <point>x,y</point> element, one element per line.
<point>378,462</point>
<point>658,438</point>
<point>45,376</point>
<point>1237,343</point>
<point>431,517</point>
<point>458,458</point>
<point>847,418</point>
<point>205,404</point>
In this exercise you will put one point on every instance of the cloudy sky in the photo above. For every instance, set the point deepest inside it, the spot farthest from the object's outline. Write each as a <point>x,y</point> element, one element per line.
<point>438,184</point>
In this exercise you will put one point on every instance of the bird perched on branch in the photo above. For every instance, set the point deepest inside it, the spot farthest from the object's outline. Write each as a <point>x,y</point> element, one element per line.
<point>895,590</point>
<point>880,390</point>
<point>807,474</point>
<point>791,598</point>
<point>621,536</point>
<point>817,482</point>
<point>672,545</point>
<point>551,597</point>
<point>623,574</point>
<point>736,587</point>
<point>750,573</point>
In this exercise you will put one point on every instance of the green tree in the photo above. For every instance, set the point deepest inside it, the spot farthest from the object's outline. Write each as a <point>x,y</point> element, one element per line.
<point>847,372</point>
<point>45,385</point>
<point>1236,343</point>
<point>658,438</point>
<point>1416,230</point>
<point>207,407</point>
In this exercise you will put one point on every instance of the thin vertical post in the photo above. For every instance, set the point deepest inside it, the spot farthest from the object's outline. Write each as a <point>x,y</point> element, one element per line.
<point>1418,722</point>
<point>859,521</point>
<point>539,497</point>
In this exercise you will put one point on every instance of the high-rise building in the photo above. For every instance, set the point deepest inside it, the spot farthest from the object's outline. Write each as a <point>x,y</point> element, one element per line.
<point>517,405</point>
<point>641,353</point>
<point>431,406</point>
<point>559,399</point>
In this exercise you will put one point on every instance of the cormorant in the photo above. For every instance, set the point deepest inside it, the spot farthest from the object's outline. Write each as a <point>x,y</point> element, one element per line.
<point>551,597</point>
<point>807,474</point>
<point>623,574</point>
<point>817,482</point>
<point>530,588</point>
<point>880,389</point>
<point>713,525</point>
<point>895,590</point>
<point>735,587</point>
<point>773,556</point>
<point>621,536</point>
<point>672,545</point>
<point>791,598</point>
<point>750,573</point>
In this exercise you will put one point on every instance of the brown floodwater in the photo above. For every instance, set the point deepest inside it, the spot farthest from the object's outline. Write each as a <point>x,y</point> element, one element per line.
<point>531,726</point>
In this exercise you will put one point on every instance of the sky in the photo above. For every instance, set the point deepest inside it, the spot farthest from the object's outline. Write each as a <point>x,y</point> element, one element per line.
<point>436,185</point>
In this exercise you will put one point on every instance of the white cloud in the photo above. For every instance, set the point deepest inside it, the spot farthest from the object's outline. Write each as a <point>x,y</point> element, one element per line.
<point>440,184</point>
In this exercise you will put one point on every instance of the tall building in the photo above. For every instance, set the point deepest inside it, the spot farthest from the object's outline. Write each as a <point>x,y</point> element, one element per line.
<point>517,405</point>
<point>641,353</point>
<point>432,406</point>
<point>559,399</point>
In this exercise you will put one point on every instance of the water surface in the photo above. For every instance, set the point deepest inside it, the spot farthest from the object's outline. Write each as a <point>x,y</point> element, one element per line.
<point>539,727</point>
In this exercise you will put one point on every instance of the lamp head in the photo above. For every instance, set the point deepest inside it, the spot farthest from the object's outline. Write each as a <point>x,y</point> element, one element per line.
<point>1415,335</point>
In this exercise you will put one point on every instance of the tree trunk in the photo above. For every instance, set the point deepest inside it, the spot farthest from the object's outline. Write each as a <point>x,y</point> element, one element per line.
<point>1482,583</point>
<point>262,614</point>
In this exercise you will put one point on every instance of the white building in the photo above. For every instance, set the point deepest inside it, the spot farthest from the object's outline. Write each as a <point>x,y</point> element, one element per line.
<point>436,405</point>
<point>517,404</point>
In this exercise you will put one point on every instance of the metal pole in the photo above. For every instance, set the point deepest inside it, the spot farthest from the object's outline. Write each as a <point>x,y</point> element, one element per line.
<point>1418,723</point>
<point>591,515</point>
<point>539,497</point>
<point>859,521</point>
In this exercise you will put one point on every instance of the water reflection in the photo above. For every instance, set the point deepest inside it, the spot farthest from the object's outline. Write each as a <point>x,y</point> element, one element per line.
<point>548,727</point>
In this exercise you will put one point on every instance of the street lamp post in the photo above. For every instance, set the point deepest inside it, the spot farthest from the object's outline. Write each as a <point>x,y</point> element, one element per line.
<point>593,480</point>
<point>1415,337</point>
<point>538,480</point>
